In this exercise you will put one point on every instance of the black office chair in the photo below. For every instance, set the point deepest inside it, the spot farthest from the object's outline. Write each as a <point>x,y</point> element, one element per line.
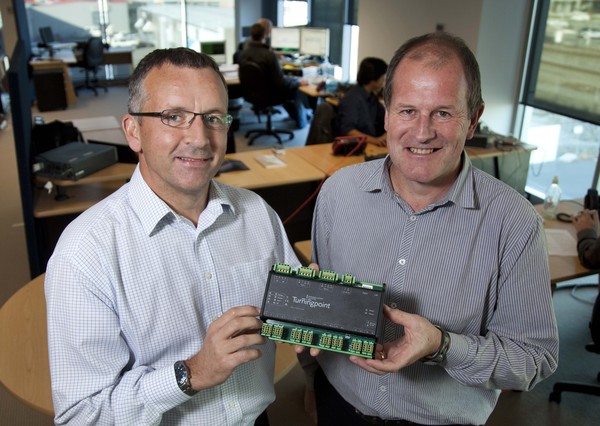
<point>92,58</point>
<point>579,387</point>
<point>261,91</point>
<point>321,128</point>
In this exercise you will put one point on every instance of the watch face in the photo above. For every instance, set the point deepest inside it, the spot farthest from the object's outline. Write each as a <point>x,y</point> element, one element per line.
<point>181,374</point>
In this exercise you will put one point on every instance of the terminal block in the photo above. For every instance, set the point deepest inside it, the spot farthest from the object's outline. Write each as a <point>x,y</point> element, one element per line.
<point>322,310</point>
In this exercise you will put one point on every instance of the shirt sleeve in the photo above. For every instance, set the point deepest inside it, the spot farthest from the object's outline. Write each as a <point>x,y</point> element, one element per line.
<point>588,248</point>
<point>93,381</point>
<point>519,348</point>
<point>352,114</point>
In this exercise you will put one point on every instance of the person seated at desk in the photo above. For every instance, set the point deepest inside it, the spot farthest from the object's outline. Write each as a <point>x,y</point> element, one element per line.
<point>267,39</point>
<point>360,113</point>
<point>295,102</point>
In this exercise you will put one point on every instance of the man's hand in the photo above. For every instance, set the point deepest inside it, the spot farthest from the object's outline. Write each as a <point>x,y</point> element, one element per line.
<point>225,347</point>
<point>587,219</point>
<point>420,339</point>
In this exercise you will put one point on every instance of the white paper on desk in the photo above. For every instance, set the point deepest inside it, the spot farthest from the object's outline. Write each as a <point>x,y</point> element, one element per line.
<point>561,243</point>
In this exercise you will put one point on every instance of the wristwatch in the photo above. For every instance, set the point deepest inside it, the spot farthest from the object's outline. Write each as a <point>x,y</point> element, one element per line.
<point>184,378</point>
<point>439,357</point>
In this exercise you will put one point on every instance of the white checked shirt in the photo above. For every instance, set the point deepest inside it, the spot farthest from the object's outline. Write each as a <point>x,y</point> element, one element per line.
<point>132,287</point>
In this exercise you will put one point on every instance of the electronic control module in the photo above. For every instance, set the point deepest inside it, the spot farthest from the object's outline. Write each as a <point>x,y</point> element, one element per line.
<point>322,310</point>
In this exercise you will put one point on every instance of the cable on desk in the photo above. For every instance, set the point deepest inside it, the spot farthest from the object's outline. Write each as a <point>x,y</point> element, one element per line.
<point>314,194</point>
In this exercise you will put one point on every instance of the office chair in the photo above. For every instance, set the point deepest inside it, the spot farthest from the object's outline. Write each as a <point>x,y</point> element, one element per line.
<point>261,91</point>
<point>92,58</point>
<point>578,387</point>
<point>321,127</point>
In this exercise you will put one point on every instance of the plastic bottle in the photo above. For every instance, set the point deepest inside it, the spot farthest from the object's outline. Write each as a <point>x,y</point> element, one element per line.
<point>552,199</point>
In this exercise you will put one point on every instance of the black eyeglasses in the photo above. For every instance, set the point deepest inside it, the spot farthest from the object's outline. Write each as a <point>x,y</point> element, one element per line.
<point>182,119</point>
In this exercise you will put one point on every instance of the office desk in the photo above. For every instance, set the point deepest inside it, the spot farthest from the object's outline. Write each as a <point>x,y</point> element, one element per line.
<point>60,61</point>
<point>82,193</point>
<point>303,250</point>
<point>311,90</point>
<point>230,74</point>
<point>87,191</point>
<point>258,177</point>
<point>24,368</point>
<point>507,164</point>
<point>118,56</point>
<point>24,365</point>
<point>564,268</point>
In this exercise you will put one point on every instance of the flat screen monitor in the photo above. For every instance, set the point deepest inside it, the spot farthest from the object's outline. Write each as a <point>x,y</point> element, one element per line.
<point>314,41</point>
<point>46,35</point>
<point>215,49</point>
<point>285,39</point>
<point>212,47</point>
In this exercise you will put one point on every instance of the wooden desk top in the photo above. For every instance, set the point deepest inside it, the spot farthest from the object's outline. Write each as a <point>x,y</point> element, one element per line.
<point>297,171</point>
<point>492,151</point>
<point>321,156</point>
<point>87,191</point>
<point>230,74</point>
<point>303,250</point>
<point>80,199</point>
<point>82,193</point>
<point>115,172</point>
<point>311,90</point>
<point>24,365</point>
<point>59,56</point>
<point>564,268</point>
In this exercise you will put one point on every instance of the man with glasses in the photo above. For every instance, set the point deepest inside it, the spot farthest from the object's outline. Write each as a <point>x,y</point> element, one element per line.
<point>152,293</point>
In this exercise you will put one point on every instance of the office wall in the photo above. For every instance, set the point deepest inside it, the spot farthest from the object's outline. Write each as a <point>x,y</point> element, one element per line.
<point>495,30</point>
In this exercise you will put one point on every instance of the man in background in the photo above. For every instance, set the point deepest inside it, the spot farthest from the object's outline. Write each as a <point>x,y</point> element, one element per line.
<point>294,102</point>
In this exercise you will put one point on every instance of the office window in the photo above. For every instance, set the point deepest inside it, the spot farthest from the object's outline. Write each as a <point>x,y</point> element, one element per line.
<point>139,25</point>
<point>561,96</point>
<point>295,13</point>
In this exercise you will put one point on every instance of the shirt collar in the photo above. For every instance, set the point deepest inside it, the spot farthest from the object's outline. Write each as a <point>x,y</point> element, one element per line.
<point>462,192</point>
<point>153,211</point>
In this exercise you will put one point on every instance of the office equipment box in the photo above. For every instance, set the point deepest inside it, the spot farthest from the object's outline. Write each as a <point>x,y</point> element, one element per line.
<point>50,89</point>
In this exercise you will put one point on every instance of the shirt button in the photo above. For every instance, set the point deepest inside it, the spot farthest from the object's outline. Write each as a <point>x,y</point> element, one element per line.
<point>402,261</point>
<point>413,218</point>
<point>393,305</point>
<point>382,388</point>
<point>207,275</point>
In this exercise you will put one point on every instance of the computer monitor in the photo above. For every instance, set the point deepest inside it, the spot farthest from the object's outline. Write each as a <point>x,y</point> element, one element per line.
<point>46,35</point>
<point>285,39</point>
<point>314,41</point>
<point>215,49</point>
<point>212,47</point>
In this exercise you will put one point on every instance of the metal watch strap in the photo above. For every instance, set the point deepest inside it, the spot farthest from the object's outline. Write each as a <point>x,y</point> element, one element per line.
<point>183,376</point>
<point>439,357</point>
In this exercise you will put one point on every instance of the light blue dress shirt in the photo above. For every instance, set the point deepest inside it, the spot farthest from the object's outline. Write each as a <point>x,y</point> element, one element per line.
<point>132,287</point>
<point>474,263</point>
